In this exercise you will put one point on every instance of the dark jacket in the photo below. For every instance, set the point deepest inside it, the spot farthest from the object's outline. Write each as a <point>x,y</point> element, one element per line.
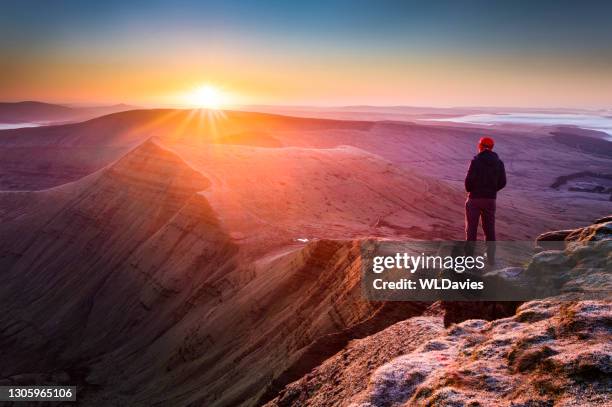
<point>485,176</point>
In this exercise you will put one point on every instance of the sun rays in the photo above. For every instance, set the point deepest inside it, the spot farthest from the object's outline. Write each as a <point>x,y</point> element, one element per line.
<point>208,97</point>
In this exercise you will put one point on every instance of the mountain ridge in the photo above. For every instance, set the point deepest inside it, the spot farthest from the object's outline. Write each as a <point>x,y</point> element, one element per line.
<point>30,111</point>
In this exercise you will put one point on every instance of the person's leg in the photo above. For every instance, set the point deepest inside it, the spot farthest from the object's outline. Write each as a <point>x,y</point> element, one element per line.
<point>472,216</point>
<point>487,207</point>
<point>488,227</point>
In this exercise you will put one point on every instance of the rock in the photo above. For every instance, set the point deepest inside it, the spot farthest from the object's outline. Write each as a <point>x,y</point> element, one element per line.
<point>549,353</point>
<point>595,232</point>
<point>459,311</point>
<point>547,264</point>
<point>576,267</point>
<point>554,236</point>
<point>600,229</point>
<point>603,219</point>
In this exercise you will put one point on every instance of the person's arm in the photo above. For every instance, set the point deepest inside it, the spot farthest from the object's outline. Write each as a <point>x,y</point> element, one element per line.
<point>469,178</point>
<point>501,179</point>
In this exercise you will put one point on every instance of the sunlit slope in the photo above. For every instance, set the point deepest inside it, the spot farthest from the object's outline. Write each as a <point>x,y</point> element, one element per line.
<point>270,195</point>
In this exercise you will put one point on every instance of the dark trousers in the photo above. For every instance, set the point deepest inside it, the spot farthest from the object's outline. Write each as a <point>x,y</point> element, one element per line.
<point>475,209</point>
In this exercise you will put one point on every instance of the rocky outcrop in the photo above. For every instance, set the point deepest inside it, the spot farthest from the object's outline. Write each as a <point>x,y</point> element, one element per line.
<point>552,268</point>
<point>603,219</point>
<point>550,352</point>
<point>572,263</point>
<point>600,229</point>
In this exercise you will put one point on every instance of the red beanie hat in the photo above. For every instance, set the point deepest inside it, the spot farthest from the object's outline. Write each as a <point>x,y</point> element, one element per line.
<point>486,142</point>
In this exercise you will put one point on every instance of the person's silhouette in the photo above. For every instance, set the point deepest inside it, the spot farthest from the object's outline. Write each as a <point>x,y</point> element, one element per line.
<point>486,175</point>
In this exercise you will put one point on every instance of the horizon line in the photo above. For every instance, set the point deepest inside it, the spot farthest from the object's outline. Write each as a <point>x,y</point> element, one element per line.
<point>300,106</point>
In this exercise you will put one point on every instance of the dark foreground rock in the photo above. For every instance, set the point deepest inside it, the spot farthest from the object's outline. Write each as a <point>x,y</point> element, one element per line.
<point>459,311</point>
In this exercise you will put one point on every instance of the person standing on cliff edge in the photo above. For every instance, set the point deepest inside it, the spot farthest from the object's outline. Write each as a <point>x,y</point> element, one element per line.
<point>485,177</point>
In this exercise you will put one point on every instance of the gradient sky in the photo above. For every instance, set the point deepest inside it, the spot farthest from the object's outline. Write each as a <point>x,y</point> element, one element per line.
<point>422,53</point>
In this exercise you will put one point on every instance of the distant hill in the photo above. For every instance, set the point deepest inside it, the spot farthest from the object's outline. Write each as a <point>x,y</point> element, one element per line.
<point>42,113</point>
<point>583,143</point>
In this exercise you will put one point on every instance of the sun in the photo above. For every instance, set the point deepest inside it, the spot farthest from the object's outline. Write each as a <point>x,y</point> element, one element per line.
<point>206,97</point>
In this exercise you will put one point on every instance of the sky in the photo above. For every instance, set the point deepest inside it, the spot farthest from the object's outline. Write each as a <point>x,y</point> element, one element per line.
<point>324,53</point>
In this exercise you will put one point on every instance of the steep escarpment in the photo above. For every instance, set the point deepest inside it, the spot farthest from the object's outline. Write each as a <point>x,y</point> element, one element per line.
<point>342,375</point>
<point>366,318</point>
<point>285,315</point>
<point>551,352</point>
<point>63,249</point>
<point>129,285</point>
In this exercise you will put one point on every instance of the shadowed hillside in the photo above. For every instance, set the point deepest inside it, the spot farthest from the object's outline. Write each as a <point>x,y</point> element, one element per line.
<point>134,285</point>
